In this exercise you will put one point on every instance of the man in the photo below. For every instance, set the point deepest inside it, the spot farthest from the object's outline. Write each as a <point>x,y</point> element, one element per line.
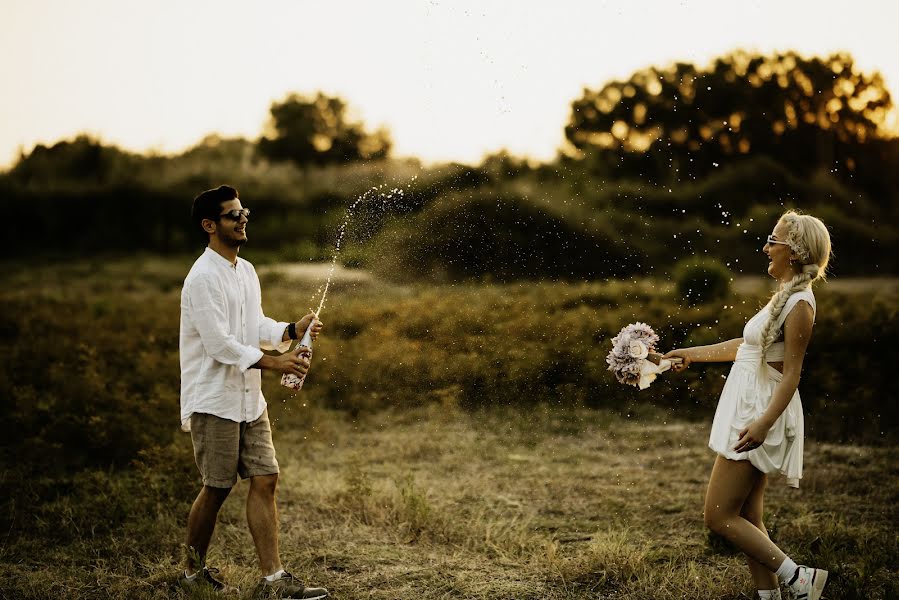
<point>222,331</point>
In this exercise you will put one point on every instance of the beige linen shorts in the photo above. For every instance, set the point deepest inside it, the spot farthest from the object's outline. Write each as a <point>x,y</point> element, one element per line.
<point>225,449</point>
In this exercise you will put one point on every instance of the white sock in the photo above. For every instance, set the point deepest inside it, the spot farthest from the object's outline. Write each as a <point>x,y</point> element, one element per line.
<point>769,594</point>
<point>786,570</point>
<point>274,576</point>
<point>186,576</point>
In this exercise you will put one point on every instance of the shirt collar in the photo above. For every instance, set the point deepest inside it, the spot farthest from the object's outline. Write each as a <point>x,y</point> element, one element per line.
<point>219,259</point>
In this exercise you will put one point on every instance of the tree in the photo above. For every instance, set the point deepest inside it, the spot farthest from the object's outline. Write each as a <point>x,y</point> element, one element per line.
<point>502,165</point>
<point>218,149</point>
<point>316,131</point>
<point>678,122</point>
<point>83,158</point>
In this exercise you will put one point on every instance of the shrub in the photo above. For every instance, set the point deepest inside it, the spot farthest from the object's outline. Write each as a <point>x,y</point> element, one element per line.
<point>104,385</point>
<point>700,281</point>
<point>480,235</point>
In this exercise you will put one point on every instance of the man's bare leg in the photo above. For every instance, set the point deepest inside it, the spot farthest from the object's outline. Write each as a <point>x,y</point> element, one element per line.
<point>201,524</point>
<point>262,517</point>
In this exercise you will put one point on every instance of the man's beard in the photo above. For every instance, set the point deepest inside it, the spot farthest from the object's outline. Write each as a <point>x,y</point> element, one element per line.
<point>233,242</point>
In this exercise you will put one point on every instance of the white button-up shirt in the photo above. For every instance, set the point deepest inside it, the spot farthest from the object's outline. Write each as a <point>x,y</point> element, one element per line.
<point>222,331</point>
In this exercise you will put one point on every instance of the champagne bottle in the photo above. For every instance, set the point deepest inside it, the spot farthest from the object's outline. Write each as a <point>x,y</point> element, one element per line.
<point>290,380</point>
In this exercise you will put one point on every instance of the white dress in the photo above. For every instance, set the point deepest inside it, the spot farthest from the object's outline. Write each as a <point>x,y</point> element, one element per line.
<point>746,396</point>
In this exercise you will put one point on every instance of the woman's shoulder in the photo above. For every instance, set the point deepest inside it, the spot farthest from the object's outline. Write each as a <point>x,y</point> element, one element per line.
<point>807,294</point>
<point>795,299</point>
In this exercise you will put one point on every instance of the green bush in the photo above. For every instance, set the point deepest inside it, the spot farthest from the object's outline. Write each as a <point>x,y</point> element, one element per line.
<point>90,377</point>
<point>700,281</point>
<point>487,235</point>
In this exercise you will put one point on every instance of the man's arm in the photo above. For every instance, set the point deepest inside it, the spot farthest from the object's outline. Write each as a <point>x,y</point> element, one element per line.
<point>273,335</point>
<point>301,326</point>
<point>289,362</point>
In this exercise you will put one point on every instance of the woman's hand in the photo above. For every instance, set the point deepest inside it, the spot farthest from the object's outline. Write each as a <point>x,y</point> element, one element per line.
<point>752,437</point>
<point>303,323</point>
<point>680,359</point>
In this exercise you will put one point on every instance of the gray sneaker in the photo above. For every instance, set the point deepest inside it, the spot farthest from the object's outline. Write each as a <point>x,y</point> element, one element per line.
<point>288,586</point>
<point>808,584</point>
<point>205,581</point>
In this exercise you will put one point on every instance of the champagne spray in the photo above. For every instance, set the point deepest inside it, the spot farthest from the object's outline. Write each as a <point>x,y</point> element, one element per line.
<point>292,381</point>
<point>289,380</point>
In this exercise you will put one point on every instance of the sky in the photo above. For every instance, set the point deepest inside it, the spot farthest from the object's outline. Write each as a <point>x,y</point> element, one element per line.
<point>450,80</point>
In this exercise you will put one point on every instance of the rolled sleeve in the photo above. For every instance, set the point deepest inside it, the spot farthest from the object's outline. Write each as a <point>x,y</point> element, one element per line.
<point>250,357</point>
<point>271,334</point>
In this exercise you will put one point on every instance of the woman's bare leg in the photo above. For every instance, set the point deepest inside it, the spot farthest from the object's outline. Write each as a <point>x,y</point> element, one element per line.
<point>753,511</point>
<point>730,486</point>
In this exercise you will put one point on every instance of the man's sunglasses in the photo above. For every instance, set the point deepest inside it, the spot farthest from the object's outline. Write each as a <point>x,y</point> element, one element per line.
<point>236,214</point>
<point>774,240</point>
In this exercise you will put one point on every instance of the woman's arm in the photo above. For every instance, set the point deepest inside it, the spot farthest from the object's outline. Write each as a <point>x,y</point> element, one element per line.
<point>797,333</point>
<point>722,352</point>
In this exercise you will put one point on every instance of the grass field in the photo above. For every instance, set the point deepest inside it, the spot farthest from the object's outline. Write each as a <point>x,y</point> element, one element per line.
<point>437,503</point>
<point>435,498</point>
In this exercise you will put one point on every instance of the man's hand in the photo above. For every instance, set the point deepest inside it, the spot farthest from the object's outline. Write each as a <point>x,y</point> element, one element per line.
<point>289,362</point>
<point>303,323</point>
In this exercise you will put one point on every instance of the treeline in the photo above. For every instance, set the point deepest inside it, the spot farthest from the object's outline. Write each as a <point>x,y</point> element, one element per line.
<point>674,162</point>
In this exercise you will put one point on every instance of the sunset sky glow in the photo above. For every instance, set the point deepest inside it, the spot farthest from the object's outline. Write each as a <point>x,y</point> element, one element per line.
<point>450,80</point>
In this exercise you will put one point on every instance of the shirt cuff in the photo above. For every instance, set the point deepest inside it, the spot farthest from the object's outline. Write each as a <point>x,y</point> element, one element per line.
<point>250,357</point>
<point>277,335</point>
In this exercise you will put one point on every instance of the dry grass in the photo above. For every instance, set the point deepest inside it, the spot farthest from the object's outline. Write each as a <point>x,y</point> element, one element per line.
<point>436,501</point>
<point>551,504</point>
<point>440,503</point>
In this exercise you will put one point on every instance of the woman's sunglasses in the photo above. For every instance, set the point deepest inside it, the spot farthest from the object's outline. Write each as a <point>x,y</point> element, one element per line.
<point>774,240</point>
<point>236,214</point>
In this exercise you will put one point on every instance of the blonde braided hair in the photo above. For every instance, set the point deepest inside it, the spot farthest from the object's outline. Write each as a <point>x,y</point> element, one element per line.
<point>809,240</point>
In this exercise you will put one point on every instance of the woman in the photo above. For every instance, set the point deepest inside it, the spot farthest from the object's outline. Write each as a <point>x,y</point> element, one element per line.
<point>758,426</point>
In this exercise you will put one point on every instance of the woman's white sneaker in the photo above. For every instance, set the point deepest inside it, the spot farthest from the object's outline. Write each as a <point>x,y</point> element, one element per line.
<point>808,584</point>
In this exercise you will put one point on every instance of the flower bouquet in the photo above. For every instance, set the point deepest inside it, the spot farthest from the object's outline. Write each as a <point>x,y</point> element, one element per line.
<point>633,358</point>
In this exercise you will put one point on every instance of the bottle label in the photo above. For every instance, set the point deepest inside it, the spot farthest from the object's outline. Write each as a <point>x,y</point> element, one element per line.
<point>292,381</point>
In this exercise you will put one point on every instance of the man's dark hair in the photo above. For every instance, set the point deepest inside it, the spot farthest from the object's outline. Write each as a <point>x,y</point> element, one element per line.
<point>208,205</point>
